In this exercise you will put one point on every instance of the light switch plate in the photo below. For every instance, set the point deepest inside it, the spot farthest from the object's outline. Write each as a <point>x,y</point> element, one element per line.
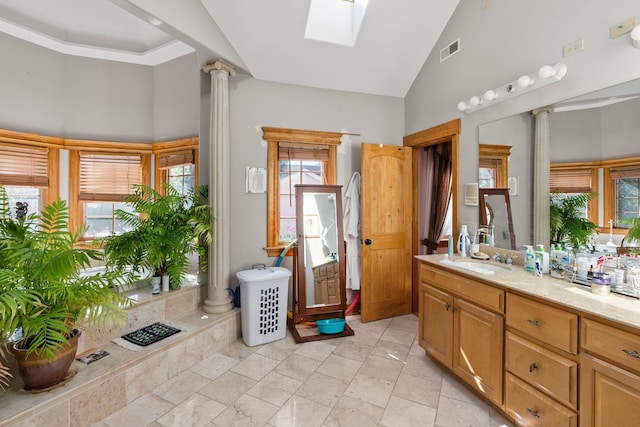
<point>624,27</point>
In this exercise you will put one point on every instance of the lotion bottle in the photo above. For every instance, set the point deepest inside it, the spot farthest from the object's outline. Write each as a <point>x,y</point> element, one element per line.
<point>463,241</point>
<point>530,259</point>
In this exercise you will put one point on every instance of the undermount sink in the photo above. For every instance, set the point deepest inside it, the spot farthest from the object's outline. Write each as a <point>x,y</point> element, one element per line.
<point>477,267</point>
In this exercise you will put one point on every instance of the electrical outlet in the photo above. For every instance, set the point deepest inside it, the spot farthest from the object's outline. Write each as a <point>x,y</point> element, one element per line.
<point>624,27</point>
<point>486,4</point>
<point>573,48</point>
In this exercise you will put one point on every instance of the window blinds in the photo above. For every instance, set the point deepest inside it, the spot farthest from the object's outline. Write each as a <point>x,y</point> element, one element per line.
<point>570,180</point>
<point>106,177</point>
<point>625,172</point>
<point>179,158</point>
<point>292,151</point>
<point>24,166</point>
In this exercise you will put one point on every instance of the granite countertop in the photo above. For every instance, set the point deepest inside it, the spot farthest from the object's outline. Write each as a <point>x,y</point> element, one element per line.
<point>614,307</point>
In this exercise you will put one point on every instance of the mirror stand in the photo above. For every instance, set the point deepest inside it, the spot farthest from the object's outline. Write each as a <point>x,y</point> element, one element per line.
<point>319,262</point>
<point>302,324</point>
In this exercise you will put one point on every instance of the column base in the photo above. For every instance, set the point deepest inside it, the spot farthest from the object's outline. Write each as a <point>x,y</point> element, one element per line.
<point>216,307</point>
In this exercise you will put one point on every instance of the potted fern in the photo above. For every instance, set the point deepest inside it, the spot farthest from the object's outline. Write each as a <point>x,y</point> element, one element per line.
<point>44,297</point>
<point>165,230</point>
<point>566,224</point>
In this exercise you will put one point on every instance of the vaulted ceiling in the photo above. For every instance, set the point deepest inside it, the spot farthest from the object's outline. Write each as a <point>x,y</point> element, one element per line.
<point>265,39</point>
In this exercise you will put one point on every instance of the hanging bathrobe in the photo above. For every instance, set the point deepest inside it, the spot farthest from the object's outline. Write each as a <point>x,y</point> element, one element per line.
<point>351,224</point>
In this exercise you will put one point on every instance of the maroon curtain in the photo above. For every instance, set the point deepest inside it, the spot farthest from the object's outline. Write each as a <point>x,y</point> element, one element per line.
<point>438,159</point>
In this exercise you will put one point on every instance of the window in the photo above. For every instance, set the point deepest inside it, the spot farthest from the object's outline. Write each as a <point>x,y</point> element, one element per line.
<point>625,186</point>
<point>572,179</point>
<point>494,166</point>
<point>294,157</point>
<point>100,179</point>
<point>29,168</point>
<point>176,163</point>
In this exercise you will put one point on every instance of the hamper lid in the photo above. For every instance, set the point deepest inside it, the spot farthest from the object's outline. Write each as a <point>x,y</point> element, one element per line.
<point>262,274</point>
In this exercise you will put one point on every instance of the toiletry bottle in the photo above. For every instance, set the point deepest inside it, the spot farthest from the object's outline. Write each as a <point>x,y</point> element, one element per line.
<point>450,247</point>
<point>529,259</point>
<point>544,259</point>
<point>463,241</point>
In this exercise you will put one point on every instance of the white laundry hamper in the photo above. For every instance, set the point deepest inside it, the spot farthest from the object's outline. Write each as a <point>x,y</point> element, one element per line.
<point>264,296</point>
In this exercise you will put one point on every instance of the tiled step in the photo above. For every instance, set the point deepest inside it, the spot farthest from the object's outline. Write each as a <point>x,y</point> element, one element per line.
<point>109,384</point>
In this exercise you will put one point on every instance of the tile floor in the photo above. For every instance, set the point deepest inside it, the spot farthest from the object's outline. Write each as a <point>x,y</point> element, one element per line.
<point>378,377</point>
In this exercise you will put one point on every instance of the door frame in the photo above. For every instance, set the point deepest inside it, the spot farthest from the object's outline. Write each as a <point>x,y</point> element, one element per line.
<point>442,133</point>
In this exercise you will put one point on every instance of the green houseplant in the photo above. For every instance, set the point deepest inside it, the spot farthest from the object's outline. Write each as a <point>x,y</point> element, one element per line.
<point>165,230</point>
<point>566,224</point>
<point>44,295</point>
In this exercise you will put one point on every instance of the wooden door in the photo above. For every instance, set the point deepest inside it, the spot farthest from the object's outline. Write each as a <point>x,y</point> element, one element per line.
<point>436,323</point>
<point>386,218</point>
<point>609,396</point>
<point>478,348</point>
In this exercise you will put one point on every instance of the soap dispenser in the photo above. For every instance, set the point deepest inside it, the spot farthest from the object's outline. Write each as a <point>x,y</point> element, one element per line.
<point>464,243</point>
<point>530,259</point>
<point>544,259</point>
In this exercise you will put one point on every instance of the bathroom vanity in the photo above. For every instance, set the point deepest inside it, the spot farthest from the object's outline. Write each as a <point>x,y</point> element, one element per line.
<point>544,351</point>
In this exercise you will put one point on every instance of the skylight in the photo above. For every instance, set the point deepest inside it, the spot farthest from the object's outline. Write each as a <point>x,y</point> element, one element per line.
<point>335,21</point>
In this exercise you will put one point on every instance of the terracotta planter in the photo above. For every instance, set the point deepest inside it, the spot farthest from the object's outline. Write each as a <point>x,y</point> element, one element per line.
<point>38,372</point>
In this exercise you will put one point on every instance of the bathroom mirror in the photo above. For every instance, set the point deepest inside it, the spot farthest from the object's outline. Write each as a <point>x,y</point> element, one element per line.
<point>319,283</point>
<point>594,126</point>
<point>495,214</point>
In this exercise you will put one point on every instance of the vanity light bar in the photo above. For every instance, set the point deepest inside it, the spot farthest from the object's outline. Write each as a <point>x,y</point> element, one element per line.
<point>545,75</point>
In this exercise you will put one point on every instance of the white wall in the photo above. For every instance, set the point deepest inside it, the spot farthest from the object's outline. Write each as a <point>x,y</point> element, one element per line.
<point>512,38</point>
<point>254,103</point>
<point>176,98</point>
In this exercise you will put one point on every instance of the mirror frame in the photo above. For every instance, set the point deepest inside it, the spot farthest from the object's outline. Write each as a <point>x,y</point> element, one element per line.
<point>300,285</point>
<point>482,217</point>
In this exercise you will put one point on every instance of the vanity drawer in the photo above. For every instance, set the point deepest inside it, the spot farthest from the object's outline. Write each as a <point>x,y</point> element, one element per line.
<point>531,408</point>
<point>548,324</point>
<point>545,370</point>
<point>611,343</point>
<point>480,294</point>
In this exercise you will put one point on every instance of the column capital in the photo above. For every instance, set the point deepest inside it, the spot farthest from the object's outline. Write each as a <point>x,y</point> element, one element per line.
<point>219,65</point>
<point>548,109</point>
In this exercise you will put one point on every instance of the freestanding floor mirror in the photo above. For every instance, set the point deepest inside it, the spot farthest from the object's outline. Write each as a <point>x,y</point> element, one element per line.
<point>319,285</point>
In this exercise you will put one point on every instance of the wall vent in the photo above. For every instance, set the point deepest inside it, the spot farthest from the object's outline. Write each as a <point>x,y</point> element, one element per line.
<point>453,47</point>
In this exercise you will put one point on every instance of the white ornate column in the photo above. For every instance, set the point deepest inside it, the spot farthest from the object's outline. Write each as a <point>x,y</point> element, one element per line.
<point>541,172</point>
<point>218,299</point>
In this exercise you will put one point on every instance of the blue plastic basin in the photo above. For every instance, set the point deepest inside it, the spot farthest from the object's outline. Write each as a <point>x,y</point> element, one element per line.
<point>330,326</point>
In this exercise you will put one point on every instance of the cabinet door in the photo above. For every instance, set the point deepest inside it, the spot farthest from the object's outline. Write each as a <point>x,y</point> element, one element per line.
<point>609,396</point>
<point>436,326</point>
<point>478,348</point>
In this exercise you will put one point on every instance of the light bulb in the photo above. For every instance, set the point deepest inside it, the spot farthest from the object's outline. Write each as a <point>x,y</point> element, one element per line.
<point>490,95</point>
<point>546,71</point>
<point>463,106</point>
<point>560,70</point>
<point>525,81</point>
<point>635,36</point>
<point>474,101</point>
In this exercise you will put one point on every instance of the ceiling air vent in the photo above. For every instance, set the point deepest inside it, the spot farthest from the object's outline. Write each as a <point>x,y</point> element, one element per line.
<point>449,50</point>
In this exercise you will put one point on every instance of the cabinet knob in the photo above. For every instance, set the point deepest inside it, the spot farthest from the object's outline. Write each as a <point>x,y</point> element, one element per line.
<point>447,306</point>
<point>533,367</point>
<point>533,412</point>
<point>631,353</point>
<point>533,322</point>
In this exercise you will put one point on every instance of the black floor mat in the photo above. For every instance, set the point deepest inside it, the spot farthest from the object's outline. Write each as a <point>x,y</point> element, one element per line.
<point>150,334</point>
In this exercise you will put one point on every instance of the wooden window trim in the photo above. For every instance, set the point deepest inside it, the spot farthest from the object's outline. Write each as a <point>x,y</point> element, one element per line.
<point>608,188</point>
<point>167,147</point>
<point>273,136</point>
<point>500,153</point>
<point>53,144</point>
<point>76,212</point>
<point>593,167</point>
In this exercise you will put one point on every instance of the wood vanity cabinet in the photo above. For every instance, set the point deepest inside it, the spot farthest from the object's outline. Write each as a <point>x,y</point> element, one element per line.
<point>609,376</point>
<point>541,348</point>
<point>462,326</point>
